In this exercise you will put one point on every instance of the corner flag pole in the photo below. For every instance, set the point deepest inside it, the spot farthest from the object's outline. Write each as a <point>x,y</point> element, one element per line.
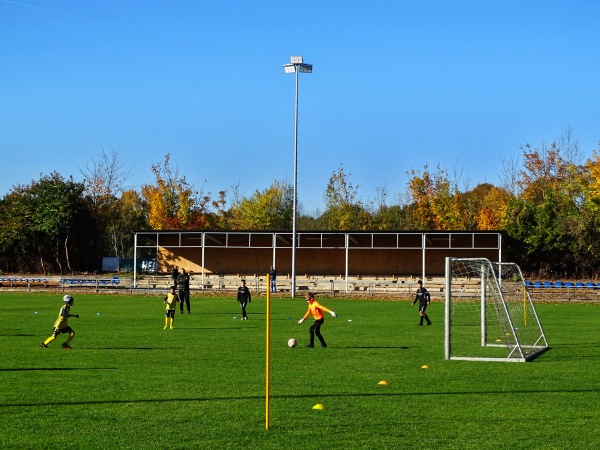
<point>268,352</point>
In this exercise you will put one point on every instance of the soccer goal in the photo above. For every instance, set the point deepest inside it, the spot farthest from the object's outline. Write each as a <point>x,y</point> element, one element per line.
<point>489,313</point>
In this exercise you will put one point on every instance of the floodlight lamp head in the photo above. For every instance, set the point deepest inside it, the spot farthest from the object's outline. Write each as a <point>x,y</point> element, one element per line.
<point>296,59</point>
<point>305,68</point>
<point>289,68</point>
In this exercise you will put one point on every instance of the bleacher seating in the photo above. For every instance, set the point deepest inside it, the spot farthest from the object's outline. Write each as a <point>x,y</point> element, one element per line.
<point>22,281</point>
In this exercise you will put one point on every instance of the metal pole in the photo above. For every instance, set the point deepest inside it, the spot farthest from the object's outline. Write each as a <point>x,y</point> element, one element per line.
<point>295,189</point>
<point>448,311</point>
<point>135,241</point>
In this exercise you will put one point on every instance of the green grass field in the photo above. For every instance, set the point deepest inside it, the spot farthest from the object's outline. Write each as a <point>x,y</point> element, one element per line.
<point>128,383</point>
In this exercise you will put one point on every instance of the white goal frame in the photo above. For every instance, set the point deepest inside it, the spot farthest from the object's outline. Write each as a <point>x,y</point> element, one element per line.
<point>489,313</point>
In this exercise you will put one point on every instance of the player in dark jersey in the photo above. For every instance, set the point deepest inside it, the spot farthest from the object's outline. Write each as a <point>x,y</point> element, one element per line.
<point>424,300</point>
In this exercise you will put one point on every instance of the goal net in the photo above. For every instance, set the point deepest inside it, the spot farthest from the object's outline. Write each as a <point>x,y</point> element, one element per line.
<point>489,313</point>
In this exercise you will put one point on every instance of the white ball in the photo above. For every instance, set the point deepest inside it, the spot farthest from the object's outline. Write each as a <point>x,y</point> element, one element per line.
<point>292,343</point>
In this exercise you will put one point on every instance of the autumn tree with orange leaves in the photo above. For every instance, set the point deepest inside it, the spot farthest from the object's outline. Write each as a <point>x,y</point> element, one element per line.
<point>172,203</point>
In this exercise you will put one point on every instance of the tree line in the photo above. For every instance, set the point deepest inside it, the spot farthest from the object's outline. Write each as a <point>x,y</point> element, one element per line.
<point>548,207</point>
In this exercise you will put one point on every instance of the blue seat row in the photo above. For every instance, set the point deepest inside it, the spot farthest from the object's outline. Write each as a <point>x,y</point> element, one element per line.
<point>23,280</point>
<point>560,284</point>
<point>90,281</point>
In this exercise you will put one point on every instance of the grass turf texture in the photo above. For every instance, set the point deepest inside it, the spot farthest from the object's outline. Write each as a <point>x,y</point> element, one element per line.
<point>128,383</point>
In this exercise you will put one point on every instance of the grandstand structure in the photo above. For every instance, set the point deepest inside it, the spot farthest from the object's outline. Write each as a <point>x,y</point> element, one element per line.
<point>336,259</point>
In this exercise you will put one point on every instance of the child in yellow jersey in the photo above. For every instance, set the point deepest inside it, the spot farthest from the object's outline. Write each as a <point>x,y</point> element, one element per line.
<point>317,311</point>
<point>62,324</point>
<point>171,300</point>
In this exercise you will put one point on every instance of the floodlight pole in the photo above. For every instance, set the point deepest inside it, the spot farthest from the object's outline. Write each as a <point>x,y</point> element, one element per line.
<point>296,66</point>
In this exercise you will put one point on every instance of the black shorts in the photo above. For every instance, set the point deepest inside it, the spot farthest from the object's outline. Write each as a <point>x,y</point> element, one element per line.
<point>58,331</point>
<point>170,313</point>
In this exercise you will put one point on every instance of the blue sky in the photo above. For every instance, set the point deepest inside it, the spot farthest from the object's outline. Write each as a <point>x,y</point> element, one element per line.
<point>396,85</point>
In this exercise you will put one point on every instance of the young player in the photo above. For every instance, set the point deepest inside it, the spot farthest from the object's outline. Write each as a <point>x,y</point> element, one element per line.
<point>171,300</point>
<point>243,298</point>
<point>62,324</point>
<point>424,300</point>
<point>317,311</point>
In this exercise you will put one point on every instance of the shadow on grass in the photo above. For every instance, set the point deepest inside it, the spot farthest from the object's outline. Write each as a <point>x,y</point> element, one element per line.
<point>210,328</point>
<point>370,347</point>
<point>129,348</point>
<point>27,369</point>
<point>236,312</point>
<point>17,335</point>
<point>311,396</point>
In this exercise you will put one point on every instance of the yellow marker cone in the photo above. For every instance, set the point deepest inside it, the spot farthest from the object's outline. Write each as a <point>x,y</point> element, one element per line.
<point>318,406</point>
<point>498,340</point>
<point>383,383</point>
<point>425,367</point>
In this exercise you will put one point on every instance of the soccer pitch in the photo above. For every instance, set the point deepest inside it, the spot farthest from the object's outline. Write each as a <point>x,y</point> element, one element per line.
<point>128,383</point>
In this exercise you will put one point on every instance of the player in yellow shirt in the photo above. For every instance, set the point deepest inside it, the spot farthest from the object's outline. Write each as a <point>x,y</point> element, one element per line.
<point>171,300</point>
<point>62,324</point>
<point>316,310</point>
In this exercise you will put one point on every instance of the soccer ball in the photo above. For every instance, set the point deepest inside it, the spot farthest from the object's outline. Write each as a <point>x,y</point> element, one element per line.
<point>292,343</point>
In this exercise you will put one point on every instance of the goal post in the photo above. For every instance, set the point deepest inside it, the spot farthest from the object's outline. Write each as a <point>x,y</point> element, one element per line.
<point>489,313</point>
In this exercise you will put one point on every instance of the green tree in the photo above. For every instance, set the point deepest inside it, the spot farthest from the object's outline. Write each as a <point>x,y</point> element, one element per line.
<point>130,216</point>
<point>545,217</point>
<point>270,209</point>
<point>344,210</point>
<point>47,226</point>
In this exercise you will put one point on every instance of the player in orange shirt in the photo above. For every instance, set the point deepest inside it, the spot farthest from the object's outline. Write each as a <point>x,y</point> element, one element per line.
<point>317,311</point>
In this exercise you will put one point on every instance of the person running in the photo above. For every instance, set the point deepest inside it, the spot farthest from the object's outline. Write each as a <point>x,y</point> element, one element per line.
<point>171,300</point>
<point>317,311</point>
<point>424,300</point>
<point>183,285</point>
<point>62,324</point>
<point>243,298</point>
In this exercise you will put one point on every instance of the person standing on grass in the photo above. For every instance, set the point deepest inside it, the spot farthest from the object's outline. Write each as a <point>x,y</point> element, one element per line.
<point>273,279</point>
<point>424,300</point>
<point>171,300</point>
<point>183,285</point>
<point>62,324</point>
<point>174,274</point>
<point>243,298</point>
<point>316,310</point>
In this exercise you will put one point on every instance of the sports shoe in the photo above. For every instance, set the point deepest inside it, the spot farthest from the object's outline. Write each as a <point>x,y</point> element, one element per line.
<point>428,323</point>
<point>323,345</point>
<point>309,345</point>
<point>44,345</point>
<point>66,346</point>
<point>170,328</point>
